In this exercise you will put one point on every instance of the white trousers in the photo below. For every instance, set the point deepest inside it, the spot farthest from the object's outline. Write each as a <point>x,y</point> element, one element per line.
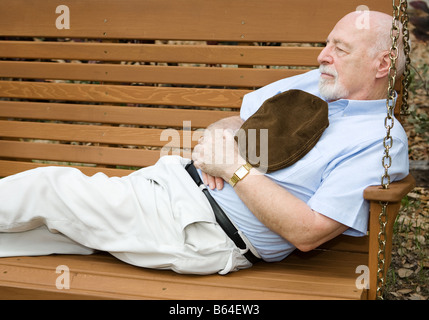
<point>155,217</point>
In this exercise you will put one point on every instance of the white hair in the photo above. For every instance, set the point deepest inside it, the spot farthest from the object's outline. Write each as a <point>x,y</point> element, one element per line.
<point>383,41</point>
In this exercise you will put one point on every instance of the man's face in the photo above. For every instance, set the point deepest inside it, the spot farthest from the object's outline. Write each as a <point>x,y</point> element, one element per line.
<point>345,65</point>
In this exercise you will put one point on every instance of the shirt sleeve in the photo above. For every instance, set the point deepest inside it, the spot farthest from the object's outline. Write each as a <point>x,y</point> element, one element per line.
<point>340,195</point>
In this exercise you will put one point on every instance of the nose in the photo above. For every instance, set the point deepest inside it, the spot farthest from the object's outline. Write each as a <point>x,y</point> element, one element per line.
<point>325,56</point>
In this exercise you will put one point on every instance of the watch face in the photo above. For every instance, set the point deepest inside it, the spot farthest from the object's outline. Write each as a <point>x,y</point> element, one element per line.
<point>241,172</point>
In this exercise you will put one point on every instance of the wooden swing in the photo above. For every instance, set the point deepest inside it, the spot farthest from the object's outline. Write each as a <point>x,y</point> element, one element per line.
<point>107,80</point>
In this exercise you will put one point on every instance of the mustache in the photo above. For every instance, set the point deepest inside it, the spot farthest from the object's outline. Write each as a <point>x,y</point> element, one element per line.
<point>328,70</point>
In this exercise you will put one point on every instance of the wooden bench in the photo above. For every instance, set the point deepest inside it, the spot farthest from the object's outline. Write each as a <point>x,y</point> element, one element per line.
<point>96,85</point>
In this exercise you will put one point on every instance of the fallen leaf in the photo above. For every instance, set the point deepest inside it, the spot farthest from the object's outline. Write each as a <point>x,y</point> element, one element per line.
<point>404,291</point>
<point>416,296</point>
<point>403,272</point>
<point>413,195</point>
<point>421,239</point>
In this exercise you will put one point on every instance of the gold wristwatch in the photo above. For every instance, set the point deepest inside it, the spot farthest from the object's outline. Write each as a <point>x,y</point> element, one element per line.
<point>240,173</point>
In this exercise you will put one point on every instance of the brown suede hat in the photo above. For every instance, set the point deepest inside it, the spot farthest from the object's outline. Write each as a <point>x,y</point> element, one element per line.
<point>292,122</point>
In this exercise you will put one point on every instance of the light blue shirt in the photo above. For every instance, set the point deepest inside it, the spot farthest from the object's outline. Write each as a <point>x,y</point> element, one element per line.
<point>331,178</point>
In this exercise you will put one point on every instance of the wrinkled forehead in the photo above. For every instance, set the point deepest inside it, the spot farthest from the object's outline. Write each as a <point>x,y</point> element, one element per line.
<point>351,31</point>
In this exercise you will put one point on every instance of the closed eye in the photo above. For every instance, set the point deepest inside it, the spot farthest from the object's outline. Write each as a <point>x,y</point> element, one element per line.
<point>339,46</point>
<point>340,50</point>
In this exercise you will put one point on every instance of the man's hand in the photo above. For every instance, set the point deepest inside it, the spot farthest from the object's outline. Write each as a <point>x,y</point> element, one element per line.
<point>217,153</point>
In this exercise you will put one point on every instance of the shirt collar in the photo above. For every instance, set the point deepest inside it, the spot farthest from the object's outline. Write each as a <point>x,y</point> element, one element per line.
<point>346,108</point>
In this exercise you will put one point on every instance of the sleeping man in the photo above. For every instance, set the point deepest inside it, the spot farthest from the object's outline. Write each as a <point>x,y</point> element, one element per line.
<point>158,217</point>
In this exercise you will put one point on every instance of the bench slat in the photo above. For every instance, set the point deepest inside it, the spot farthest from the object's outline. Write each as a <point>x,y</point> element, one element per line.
<point>8,167</point>
<point>236,77</point>
<point>167,53</point>
<point>111,114</point>
<point>91,133</point>
<point>245,20</point>
<point>110,278</point>
<point>78,153</point>
<point>222,98</point>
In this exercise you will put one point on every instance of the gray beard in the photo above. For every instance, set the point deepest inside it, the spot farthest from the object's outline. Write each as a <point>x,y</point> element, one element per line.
<point>332,91</point>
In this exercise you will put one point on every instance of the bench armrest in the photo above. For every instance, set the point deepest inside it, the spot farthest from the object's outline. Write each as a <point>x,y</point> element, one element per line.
<point>396,191</point>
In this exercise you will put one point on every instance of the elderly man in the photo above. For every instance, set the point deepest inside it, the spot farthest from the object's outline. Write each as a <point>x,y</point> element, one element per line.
<point>158,217</point>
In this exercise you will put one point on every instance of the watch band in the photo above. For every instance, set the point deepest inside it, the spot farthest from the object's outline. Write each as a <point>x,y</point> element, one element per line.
<point>240,174</point>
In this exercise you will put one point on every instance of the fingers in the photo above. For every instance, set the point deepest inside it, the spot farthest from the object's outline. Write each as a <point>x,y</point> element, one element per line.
<point>219,183</point>
<point>212,182</point>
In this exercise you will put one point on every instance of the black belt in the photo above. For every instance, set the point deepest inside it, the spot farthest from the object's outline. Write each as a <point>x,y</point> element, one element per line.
<point>221,218</point>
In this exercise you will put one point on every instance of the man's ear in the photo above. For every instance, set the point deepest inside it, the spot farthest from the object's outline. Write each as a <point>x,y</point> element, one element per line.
<point>383,65</point>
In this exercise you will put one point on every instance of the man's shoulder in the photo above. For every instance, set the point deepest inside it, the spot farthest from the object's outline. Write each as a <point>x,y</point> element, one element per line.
<point>307,81</point>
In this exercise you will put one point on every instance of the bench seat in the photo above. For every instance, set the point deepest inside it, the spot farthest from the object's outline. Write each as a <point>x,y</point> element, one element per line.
<point>320,274</point>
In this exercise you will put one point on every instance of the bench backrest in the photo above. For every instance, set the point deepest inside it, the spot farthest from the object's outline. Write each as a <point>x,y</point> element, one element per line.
<point>111,85</point>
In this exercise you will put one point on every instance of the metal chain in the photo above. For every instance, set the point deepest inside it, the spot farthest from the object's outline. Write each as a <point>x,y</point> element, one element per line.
<point>399,15</point>
<point>390,100</point>
<point>406,40</point>
<point>381,255</point>
<point>388,124</point>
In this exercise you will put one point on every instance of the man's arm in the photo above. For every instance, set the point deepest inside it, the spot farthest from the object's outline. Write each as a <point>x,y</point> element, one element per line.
<point>274,206</point>
<point>285,214</point>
